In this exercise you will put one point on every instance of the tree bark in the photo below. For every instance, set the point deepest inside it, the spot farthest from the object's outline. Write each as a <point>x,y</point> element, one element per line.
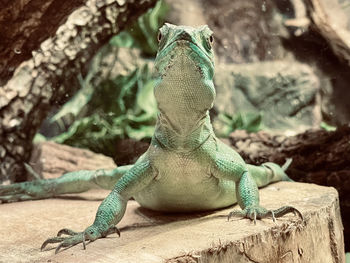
<point>51,160</point>
<point>330,19</point>
<point>319,157</point>
<point>24,25</point>
<point>195,238</point>
<point>47,71</point>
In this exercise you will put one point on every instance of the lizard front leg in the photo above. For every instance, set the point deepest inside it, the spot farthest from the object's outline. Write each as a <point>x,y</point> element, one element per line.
<point>111,210</point>
<point>73,182</point>
<point>229,165</point>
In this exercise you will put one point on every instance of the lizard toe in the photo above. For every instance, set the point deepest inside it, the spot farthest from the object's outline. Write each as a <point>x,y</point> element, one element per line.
<point>286,210</point>
<point>254,213</point>
<point>64,242</point>
<point>66,231</point>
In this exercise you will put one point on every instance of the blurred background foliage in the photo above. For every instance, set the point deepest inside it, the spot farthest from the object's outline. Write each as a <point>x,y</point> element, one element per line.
<point>249,121</point>
<point>119,107</point>
<point>96,117</point>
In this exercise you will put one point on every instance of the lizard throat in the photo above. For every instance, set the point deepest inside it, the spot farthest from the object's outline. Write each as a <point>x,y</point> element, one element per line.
<point>169,137</point>
<point>185,92</point>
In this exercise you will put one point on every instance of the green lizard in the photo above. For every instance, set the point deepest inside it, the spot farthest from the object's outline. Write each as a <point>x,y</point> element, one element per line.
<point>186,167</point>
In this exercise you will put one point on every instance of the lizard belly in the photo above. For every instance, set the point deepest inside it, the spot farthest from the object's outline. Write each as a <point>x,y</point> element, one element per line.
<point>184,183</point>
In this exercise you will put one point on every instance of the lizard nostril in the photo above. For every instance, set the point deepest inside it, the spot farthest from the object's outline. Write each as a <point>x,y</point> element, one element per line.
<point>185,36</point>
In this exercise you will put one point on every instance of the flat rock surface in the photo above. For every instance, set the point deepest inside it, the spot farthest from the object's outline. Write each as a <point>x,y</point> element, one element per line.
<point>148,236</point>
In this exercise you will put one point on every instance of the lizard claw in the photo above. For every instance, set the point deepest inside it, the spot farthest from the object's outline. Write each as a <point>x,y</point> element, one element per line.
<point>287,209</point>
<point>112,230</point>
<point>251,212</point>
<point>66,231</point>
<point>273,216</point>
<point>235,213</point>
<point>64,241</point>
<point>258,212</point>
<point>51,240</point>
<point>73,238</point>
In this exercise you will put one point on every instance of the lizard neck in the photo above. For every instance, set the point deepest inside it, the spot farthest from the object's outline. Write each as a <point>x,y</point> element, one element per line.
<point>184,91</point>
<point>170,138</point>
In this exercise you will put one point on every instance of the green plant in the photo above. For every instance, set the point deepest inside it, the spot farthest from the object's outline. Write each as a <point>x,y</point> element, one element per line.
<point>251,122</point>
<point>142,34</point>
<point>120,107</point>
<point>327,127</point>
<point>123,107</point>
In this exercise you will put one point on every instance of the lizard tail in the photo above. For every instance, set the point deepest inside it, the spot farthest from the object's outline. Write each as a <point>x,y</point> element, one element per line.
<point>287,164</point>
<point>280,170</point>
<point>285,167</point>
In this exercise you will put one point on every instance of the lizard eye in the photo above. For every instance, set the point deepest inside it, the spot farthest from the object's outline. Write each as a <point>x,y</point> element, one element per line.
<point>211,39</point>
<point>159,37</point>
<point>209,42</point>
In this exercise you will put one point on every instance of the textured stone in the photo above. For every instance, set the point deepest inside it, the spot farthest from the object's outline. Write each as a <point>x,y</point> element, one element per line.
<point>148,236</point>
<point>285,91</point>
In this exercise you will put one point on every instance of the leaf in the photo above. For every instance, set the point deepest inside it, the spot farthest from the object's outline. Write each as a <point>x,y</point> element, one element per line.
<point>123,39</point>
<point>38,138</point>
<point>327,127</point>
<point>120,107</point>
<point>146,100</point>
<point>141,132</point>
<point>251,121</point>
<point>248,121</point>
<point>143,33</point>
<point>75,105</point>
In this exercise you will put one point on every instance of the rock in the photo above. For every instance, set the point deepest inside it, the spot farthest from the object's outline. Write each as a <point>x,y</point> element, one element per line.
<point>244,31</point>
<point>207,237</point>
<point>192,15</point>
<point>51,160</point>
<point>285,91</point>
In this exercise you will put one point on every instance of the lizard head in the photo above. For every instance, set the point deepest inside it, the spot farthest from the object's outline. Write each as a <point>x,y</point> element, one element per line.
<point>184,71</point>
<point>185,44</point>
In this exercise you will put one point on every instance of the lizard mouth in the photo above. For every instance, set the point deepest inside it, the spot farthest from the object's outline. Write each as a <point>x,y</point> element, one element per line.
<point>183,43</point>
<point>182,48</point>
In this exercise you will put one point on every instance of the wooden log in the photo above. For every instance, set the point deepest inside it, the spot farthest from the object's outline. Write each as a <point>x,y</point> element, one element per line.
<point>319,157</point>
<point>331,20</point>
<point>41,79</point>
<point>51,160</point>
<point>151,237</point>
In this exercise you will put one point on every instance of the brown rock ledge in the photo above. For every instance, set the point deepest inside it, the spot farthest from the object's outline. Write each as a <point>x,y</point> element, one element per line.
<point>207,237</point>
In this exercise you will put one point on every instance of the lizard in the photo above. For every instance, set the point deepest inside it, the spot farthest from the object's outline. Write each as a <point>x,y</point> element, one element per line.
<point>186,167</point>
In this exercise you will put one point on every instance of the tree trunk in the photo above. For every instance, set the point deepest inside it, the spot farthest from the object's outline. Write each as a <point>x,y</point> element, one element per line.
<point>150,236</point>
<point>33,72</point>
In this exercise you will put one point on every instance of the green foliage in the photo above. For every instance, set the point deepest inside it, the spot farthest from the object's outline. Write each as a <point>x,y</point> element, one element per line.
<point>251,122</point>
<point>124,106</point>
<point>143,33</point>
<point>118,108</point>
<point>327,127</point>
<point>121,107</point>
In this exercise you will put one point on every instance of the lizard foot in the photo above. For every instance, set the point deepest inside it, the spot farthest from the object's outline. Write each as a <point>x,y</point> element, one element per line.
<point>258,212</point>
<point>73,238</point>
<point>37,189</point>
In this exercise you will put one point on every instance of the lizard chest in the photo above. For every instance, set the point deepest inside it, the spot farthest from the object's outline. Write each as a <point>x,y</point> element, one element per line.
<point>183,182</point>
